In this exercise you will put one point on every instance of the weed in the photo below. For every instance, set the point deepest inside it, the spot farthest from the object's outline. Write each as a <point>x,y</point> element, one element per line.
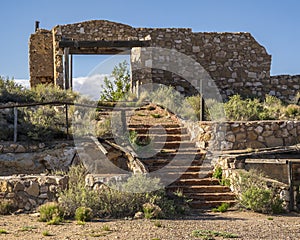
<point>51,213</point>
<point>218,172</point>
<point>210,235</point>
<point>5,206</point>
<point>270,218</point>
<point>156,115</point>
<point>46,233</point>
<point>3,231</point>
<point>106,228</point>
<point>27,228</point>
<point>80,223</point>
<point>222,208</point>
<point>83,214</point>
<point>56,220</point>
<point>151,210</point>
<point>157,224</point>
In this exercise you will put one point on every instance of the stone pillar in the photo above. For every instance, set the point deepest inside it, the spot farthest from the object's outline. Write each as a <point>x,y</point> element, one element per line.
<point>57,57</point>
<point>40,58</point>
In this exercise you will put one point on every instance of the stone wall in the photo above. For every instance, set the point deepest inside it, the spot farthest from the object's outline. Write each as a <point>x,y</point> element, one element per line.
<point>235,61</point>
<point>276,177</point>
<point>244,135</point>
<point>30,158</point>
<point>41,57</point>
<point>284,87</point>
<point>29,192</point>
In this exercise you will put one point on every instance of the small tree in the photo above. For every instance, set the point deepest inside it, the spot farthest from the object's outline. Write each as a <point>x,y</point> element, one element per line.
<point>115,89</point>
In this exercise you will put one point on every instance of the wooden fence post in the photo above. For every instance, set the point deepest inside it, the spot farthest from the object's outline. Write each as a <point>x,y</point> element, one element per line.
<point>67,122</point>
<point>15,124</point>
<point>291,184</point>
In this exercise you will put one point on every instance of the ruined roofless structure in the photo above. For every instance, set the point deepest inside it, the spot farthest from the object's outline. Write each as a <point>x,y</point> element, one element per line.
<point>236,62</point>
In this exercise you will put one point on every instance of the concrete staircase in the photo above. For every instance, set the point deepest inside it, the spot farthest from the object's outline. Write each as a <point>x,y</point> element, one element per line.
<point>196,182</point>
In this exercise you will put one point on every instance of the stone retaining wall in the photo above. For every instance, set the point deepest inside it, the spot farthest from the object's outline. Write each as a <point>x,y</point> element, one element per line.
<point>29,192</point>
<point>243,135</point>
<point>232,170</point>
<point>30,158</point>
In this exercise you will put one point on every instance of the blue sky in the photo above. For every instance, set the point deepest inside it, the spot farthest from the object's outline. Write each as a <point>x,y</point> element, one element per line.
<point>274,23</point>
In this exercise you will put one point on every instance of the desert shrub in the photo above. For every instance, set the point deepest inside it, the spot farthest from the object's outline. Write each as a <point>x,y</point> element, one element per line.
<point>132,195</point>
<point>115,200</point>
<point>195,104</point>
<point>292,111</point>
<point>256,195</point>
<point>6,206</point>
<point>52,93</point>
<point>77,194</point>
<point>151,210</point>
<point>238,109</point>
<point>103,128</point>
<point>43,122</point>
<point>51,213</point>
<point>83,214</point>
<point>214,110</point>
<point>272,108</point>
<point>10,91</point>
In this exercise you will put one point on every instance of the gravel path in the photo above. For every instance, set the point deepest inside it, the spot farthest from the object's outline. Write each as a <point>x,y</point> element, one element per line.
<point>246,225</point>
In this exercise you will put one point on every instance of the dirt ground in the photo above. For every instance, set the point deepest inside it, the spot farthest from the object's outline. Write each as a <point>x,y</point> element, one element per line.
<point>246,225</point>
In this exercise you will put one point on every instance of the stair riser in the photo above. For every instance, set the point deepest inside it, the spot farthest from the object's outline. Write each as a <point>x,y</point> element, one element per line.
<point>211,198</point>
<point>167,138</point>
<point>209,205</point>
<point>159,131</point>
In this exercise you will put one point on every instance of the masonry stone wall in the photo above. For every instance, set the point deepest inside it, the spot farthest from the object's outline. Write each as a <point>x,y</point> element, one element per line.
<point>41,57</point>
<point>284,87</point>
<point>236,62</point>
<point>30,191</point>
<point>243,135</point>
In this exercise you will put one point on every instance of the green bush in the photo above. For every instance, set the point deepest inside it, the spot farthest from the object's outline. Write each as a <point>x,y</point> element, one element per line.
<point>77,194</point>
<point>118,88</point>
<point>238,109</point>
<point>256,195</point>
<point>111,202</point>
<point>83,214</point>
<point>293,111</point>
<point>10,91</point>
<point>222,208</point>
<point>218,173</point>
<point>6,206</point>
<point>151,210</point>
<point>51,213</point>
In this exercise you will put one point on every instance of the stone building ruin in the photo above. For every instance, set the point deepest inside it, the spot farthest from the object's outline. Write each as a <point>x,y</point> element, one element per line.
<point>236,62</point>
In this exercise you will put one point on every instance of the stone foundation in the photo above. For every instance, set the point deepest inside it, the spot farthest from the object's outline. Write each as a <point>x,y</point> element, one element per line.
<point>244,135</point>
<point>29,192</point>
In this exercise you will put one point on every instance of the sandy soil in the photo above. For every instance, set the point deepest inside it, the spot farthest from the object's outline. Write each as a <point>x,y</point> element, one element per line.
<point>247,225</point>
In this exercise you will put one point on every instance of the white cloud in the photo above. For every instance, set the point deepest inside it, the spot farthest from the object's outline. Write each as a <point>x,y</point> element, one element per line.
<point>23,82</point>
<point>89,86</point>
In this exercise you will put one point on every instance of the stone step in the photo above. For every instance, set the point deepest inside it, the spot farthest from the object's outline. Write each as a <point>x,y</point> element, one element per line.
<point>177,130</point>
<point>187,175</point>
<point>187,189</point>
<point>174,145</point>
<point>227,196</point>
<point>201,181</point>
<point>191,168</point>
<point>164,137</point>
<point>164,125</point>
<point>209,204</point>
